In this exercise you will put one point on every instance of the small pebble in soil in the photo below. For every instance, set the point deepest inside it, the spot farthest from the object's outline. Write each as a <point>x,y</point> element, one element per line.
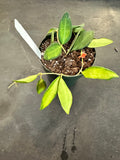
<point>89,60</point>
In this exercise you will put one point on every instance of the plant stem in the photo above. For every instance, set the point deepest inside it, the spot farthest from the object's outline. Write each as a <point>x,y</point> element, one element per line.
<point>60,43</point>
<point>11,85</point>
<point>52,37</point>
<point>80,71</point>
<point>40,75</point>
<point>73,42</point>
<point>58,74</point>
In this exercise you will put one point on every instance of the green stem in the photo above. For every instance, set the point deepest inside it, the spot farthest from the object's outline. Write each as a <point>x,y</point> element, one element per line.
<point>11,85</point>
<point>59,74</point>
<point>80,71</point>
<point>40,75</point>
<point>60,43</point>
<point>52,37</point>
<point>73,42</point>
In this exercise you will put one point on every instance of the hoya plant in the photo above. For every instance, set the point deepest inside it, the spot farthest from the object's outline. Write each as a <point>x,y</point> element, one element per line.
<point>59,38</point>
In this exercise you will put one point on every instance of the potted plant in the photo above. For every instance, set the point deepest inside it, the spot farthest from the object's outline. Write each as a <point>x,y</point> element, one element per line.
<point>68,52</point>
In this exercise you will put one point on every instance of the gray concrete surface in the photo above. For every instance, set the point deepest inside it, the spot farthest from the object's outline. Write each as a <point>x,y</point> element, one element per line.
<point>27,133</point>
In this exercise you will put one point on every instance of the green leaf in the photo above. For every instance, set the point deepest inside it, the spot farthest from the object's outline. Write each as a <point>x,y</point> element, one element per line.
<point>52,30</point>
<point>97,72</point>
<point>77,28</point>
<point>100,42</point>
<point>50,93</point>
<point>65,96</point>
<point>52,51</point>
<point>65,29</point>
<point>83,40</point>
<point>41,86</point>
<point>27,79</point>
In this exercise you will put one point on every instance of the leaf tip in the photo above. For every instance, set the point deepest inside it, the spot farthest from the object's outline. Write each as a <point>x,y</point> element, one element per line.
<point>116,76</point>
<point>68,112</point>
<point>66,14</point>
<point>41,107</point>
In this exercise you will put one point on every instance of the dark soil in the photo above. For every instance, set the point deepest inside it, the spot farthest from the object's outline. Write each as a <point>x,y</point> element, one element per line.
<point>67,64</point>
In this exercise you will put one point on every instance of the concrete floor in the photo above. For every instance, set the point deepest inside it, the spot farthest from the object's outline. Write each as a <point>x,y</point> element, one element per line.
<point>27,133</point>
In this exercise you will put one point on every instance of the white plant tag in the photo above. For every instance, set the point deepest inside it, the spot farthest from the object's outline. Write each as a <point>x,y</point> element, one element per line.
<point>27,38</point>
